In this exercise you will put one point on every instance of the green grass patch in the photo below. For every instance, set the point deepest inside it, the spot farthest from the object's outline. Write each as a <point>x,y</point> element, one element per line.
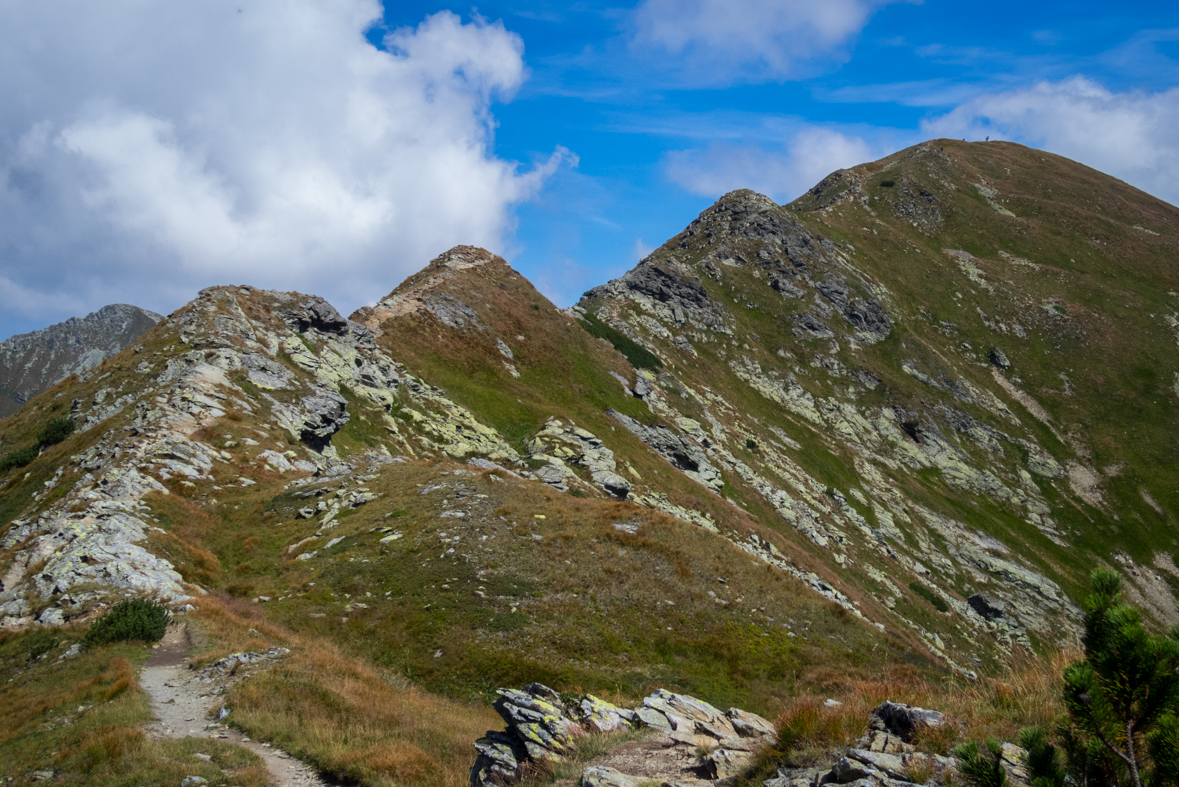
<point>638,355</point>
<point>938,603</point>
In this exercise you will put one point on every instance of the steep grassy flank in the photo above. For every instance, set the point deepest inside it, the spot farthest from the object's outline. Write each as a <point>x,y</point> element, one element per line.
<point>563,371</point>
<point>1086,266</point>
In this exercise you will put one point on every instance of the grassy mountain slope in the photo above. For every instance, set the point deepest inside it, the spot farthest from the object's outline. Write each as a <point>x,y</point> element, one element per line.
<point>842,344</point>
<point>1074,275</point>
<point>884,430</point>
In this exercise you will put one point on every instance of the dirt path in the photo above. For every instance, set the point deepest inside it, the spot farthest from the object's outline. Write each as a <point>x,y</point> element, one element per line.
<point>181,701</point>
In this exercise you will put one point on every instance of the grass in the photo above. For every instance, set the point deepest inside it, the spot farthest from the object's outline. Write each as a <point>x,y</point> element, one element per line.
<point>82,718</point>
<point>349,719</point>
<point>638,355</point>
<point>508,598</point>
<point>1026,693</point>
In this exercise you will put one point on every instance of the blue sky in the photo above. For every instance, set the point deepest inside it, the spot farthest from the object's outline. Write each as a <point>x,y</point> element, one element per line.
<point>150,149</point>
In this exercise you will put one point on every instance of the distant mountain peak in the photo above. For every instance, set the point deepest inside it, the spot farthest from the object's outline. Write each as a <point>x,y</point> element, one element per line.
<point>419,291</point>
<point>33,362</point>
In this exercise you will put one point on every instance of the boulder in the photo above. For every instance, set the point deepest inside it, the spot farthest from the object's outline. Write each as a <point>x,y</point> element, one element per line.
<point>904,721</point>
<point>501,756</point>
<point>723,763</point>
<point>750,725</point>
<point>889,764</point>
<point>847,770</point>
<point>597,714</point>
<point>538,720</point>
<point>601,776</point>
<point>649,717</point>
<point>987,605</point>
<point>999,358</point>
<point>543,726</point>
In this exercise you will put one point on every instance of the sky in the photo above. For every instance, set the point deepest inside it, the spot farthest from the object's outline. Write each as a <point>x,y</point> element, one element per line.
<point>149,149</point>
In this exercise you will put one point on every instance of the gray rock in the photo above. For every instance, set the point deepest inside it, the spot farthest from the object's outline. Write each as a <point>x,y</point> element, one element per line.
<point>890,764</point>
<point>750,725</point>
<point>540,723</point>
<point>642,388</point>
<point>649,717</point>
<point>561,443</point>
<point>601,776</point>
<point>813,327</point>
<point>452,312</point>
<point>988,606</point>
<point>193,781</point>
<point>500,758</point>
<point>613,483</point>
<point>326,412</point>
<point>276,462</point>
<point>682,705</point>
<point>998,358</point>
<point>597,714</point>
<point>314,313</point>
<point>669,290</point>
<point>847,770</point>
<point>678,450</point>
<point>904,720</point>
<point>722,763</point>
<point>553,475</point>
<point>868,318</point>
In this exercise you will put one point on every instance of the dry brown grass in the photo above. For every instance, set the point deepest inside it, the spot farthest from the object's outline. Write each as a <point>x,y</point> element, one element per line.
<point>82,718</point>
<point>340,714</point>
<point>1026,694</point>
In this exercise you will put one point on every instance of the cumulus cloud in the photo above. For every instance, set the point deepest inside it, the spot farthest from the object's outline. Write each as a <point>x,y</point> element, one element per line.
<point>752,38</point>
<point>781,174</point>
<point>1129,135</point>
<point>149,149</point>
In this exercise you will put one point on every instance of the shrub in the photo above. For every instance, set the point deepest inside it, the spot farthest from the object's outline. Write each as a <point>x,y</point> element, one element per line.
<point>55,431</point>
<point>136,618</point>
<point>982,766</point>
<point>19,458</point>
<point>1044,763</point>
<point>888,184</point>
<point>638,355</point>
<point>1123,697</point>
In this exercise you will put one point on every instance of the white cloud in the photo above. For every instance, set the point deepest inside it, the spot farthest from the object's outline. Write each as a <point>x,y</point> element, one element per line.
<point>783,174</point>
<point>1129,135</point>
<point>149,149</point>
<point>641,250</point>
<point>751,38</point>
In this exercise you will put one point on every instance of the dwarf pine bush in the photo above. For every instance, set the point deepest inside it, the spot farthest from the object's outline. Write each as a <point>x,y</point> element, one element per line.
<point>1122,727</point>
<point>18,458</point>
<point>55,431</point>
<point>135,618</point>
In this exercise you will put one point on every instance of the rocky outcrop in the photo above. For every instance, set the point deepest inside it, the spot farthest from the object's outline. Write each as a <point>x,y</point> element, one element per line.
<point>418,292</point>
<point>544,726</point>
<point>669,291</point>
<point>33,362</point>
<point>561,444</point>
<point>282,360</point>
<point>678,450</point>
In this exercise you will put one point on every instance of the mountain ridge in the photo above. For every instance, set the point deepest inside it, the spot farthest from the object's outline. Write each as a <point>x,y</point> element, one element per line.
<point>880,425</point>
